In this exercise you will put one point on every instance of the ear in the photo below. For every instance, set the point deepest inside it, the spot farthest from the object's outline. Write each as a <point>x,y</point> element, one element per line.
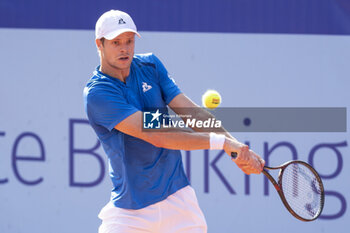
<point>98,43</point>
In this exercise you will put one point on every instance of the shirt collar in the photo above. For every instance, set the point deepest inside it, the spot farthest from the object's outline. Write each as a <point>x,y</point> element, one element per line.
<point>127,81</point>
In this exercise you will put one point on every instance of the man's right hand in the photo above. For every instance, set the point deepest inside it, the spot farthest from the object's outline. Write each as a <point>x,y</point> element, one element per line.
<point>247,160</point>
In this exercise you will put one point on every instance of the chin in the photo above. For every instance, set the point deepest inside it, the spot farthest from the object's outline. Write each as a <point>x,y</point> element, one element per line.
<point>125,64</point>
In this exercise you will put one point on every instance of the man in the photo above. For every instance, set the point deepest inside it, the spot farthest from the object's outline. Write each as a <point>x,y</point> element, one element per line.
<point>151,192</point>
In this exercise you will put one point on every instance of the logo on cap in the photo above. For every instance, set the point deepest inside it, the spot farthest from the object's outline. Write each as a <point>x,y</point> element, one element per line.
<point>121,21</point>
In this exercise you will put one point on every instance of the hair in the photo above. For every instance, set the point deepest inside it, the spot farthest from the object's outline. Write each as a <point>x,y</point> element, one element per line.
<point>102,41</point>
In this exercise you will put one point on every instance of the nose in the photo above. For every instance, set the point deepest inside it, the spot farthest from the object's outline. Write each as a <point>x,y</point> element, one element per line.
<point>124,48</point>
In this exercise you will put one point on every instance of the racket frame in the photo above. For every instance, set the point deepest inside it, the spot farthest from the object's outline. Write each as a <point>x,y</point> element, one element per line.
<point>279,188</point>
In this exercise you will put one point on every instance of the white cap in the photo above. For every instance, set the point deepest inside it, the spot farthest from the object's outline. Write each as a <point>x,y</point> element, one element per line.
<point>113,23</point>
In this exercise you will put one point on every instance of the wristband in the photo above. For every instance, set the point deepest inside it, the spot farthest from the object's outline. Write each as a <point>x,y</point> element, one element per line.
<point>217,141</point>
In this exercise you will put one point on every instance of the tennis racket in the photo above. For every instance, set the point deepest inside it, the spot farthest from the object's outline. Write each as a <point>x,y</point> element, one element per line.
<point>300,189</point>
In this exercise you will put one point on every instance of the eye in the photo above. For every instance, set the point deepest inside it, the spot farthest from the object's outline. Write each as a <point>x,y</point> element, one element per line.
<point>116,42</point>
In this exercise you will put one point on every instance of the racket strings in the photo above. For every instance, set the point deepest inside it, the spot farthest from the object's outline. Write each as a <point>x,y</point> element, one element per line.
<point>302,190</point>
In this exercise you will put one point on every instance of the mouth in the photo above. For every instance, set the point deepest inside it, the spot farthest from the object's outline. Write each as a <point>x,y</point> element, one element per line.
<point>123,58</point>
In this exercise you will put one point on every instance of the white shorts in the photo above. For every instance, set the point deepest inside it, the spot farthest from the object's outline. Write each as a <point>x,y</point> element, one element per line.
<point>178,213</point>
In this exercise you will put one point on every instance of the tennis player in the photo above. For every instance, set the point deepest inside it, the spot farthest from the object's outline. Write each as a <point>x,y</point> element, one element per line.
<point>151,192</point>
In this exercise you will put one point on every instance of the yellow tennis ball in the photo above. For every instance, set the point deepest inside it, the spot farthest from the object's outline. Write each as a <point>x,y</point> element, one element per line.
<point>211,99</point>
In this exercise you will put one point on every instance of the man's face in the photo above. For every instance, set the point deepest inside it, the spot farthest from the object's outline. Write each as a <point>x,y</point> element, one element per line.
<point>118,52</point>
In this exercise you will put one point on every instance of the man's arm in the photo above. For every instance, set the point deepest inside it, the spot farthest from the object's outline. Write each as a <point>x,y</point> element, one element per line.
<point>179,139</point>
<point>247,160</point>
<point>176,139</point>
<point>184,106</point>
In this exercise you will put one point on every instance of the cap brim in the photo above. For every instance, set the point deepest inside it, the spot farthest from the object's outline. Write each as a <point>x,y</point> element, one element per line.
<point>114,34</point>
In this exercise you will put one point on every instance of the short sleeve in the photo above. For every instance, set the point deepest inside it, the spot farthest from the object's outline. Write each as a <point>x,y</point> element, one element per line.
<point>107,108</point>
<point>168,86</point>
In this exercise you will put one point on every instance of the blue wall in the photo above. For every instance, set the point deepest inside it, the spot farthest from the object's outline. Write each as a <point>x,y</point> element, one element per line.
<point>247,16</point>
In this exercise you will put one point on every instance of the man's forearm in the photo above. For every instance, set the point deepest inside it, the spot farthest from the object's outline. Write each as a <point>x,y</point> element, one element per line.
<point>179,139</point>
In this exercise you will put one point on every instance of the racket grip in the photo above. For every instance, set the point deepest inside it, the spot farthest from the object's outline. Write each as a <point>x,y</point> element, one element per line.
<point>234,155</point>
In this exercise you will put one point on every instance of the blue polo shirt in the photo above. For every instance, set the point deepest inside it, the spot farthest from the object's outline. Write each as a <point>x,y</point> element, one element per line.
<point>141,173</point>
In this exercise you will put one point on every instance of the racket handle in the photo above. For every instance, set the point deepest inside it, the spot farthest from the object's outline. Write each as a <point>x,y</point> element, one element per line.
<point>234,155</point>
